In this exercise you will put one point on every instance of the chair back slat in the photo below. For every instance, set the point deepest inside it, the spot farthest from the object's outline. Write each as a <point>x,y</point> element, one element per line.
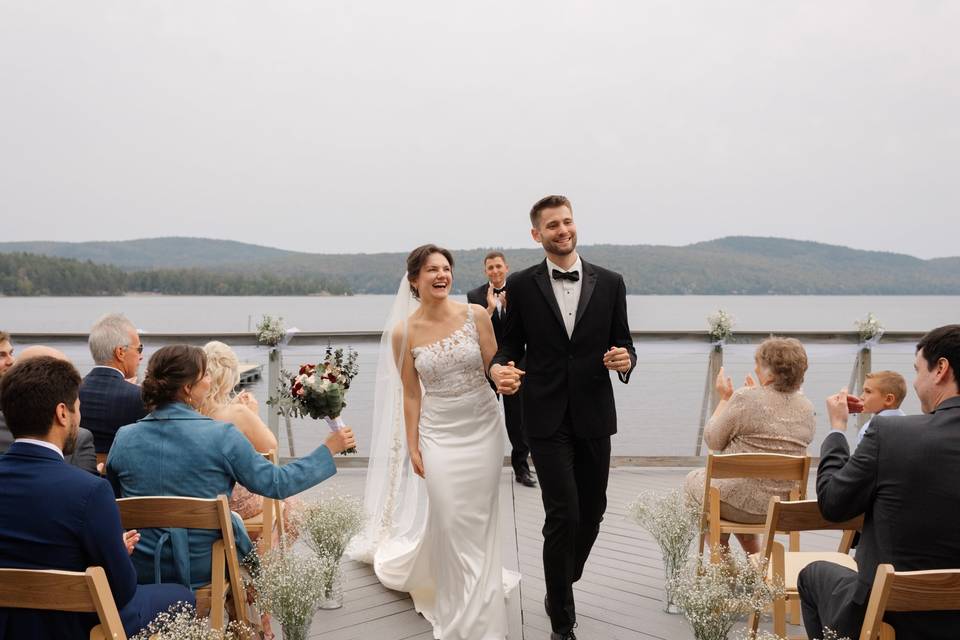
<point>804,515</point>
<point>155,512</point>
<point>48,590</point>
<point>72,591</point>
<point>925,591</point>
<point>771,466</point>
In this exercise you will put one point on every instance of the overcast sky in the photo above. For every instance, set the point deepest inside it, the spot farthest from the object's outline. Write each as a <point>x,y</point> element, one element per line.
<point>376,126</point>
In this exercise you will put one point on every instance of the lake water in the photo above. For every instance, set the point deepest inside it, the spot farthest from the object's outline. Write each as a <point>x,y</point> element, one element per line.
<point>658,411</point>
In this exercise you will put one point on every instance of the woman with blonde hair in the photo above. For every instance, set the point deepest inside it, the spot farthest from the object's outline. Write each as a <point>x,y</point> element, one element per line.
<point>769,415</point>
<point>222,403</point>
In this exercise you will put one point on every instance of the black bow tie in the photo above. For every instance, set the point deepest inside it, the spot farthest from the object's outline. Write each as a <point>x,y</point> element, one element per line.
<point>572,276</point>
<point>497,292</point>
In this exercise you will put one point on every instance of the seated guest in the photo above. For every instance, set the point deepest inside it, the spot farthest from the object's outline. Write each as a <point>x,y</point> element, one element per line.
<point>902,478</point>
<point>6,361</point>
<point>177,451</point>
<point>54,516</point>
<point>770,417</point>
<point>239,410</point>
<point>84,456</point>
<point>108,400</point>
<point>883,393</point>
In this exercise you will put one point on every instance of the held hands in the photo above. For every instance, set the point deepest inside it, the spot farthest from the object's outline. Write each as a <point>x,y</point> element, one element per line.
<point>724,385</point>
<point>130,540</point>
<point>506,377</point>
<point>339,441</point>
<point>417,461</point>
<point>617,359</point>
<point>838,410</point>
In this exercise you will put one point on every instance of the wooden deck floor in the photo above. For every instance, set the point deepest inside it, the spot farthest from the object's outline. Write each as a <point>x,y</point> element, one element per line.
<point>618,598</point>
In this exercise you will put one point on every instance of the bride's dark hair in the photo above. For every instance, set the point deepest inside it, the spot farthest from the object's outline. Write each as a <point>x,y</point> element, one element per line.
<point>418,258</point>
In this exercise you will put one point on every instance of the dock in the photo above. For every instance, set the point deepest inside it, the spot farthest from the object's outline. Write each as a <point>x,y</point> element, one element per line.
<point>619,597</point>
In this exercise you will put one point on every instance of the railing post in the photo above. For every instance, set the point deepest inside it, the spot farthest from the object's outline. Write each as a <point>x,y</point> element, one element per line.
<point>274,365</point>
<point>714,363</point>
<point>864,366</point>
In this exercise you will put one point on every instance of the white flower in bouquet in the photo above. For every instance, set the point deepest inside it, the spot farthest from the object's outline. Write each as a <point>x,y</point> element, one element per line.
<point>714,596</point>
<point>180,622</point>
<point>328,524</point>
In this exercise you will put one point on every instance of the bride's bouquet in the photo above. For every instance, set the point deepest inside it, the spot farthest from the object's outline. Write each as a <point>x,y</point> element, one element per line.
<point>320,390</point>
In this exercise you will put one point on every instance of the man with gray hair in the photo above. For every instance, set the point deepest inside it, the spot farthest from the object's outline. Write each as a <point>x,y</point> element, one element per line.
<point>108,400</point>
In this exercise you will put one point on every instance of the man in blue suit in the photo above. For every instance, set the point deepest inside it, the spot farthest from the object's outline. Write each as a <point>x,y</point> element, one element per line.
<point>109,401</point>
<point>56,516</point>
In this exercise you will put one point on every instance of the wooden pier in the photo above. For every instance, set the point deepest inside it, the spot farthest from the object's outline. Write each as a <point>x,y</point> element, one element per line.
<point>619,597</point>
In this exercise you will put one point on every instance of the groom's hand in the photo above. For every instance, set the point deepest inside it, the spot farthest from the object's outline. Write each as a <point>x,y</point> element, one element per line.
<point>617,359</point>
<point>506,377</point>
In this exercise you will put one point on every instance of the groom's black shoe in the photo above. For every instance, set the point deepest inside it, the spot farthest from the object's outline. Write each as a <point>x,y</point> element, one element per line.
<point>526,479</point>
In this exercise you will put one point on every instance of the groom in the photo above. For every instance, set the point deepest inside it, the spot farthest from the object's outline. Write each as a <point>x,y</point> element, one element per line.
<point>569,318</point>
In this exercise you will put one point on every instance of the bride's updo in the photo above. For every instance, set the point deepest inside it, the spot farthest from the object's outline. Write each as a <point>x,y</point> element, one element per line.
<point>169,369</point>
<point>418,258</point>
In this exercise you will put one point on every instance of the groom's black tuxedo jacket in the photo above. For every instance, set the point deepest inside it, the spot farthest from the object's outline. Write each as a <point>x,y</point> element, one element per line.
<point>903,477</point>
<point>566,373</point>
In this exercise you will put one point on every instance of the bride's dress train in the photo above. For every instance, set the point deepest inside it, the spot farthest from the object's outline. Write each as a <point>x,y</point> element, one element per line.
<point>450,561</point>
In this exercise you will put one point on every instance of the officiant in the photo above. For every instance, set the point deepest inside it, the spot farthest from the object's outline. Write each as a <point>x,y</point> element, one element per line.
<point>493,296</point>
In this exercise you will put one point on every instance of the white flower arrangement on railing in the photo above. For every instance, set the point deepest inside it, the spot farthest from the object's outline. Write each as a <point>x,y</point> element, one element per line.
<point>721,327</point>
<point>673,520</point>
<point>714,596</point>
<point>180,622</point>
<point>270,331</point>
<point>870,331</point>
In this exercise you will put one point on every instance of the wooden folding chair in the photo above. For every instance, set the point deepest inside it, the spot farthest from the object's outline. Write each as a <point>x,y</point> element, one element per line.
<point>197,513</point>
<point>935,590</point>
<point>785,566</point>
<point>272,514</point>
<point>51,590</point>
<point>771,466</point>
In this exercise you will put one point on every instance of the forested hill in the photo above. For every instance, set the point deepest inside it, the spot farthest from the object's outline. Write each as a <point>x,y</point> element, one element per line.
<point>733,265</point>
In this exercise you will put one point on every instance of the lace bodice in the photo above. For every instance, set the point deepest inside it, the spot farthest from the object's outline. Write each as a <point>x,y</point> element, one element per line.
<point>453,365</point>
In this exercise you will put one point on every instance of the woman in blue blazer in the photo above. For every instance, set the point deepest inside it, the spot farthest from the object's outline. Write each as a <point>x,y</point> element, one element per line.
<point>176,451</point>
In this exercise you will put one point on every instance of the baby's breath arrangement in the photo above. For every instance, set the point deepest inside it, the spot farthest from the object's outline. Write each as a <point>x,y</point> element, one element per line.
<point>721,325</point>
<point>673,520</point>
<point>747,634</point>
<point>180,622</point>
<point>329,523</point>
<point>830,634</point>
<point>270,331</point>
<point>289,586</point>
<point>870,329</point>
<point>714,596</point>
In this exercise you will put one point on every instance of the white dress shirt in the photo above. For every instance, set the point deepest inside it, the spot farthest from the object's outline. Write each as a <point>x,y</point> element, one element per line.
<point>567,293</point>
<point>41,443</point>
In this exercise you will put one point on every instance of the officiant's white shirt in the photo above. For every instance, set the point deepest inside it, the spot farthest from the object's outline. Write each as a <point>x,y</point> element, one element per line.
<point>567,293</point>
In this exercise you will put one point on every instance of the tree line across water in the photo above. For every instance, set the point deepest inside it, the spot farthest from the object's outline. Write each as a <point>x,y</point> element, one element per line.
<point>199,266</point>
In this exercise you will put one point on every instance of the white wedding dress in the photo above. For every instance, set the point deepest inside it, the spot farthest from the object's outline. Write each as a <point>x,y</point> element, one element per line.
<point>449,558</point>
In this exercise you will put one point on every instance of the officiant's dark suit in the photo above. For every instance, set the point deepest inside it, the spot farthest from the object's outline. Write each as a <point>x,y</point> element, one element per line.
<point>568,410</point>
<point>512,410</point>
<point>903,477</point>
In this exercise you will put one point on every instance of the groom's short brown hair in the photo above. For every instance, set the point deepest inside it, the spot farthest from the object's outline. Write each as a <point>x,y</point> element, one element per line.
<point>547,202</point>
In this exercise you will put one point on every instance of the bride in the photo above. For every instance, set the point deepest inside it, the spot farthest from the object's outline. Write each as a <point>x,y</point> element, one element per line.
<point>434,526</point>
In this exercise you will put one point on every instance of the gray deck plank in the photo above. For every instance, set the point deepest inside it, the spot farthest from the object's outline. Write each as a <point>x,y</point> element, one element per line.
<point>618,598</point>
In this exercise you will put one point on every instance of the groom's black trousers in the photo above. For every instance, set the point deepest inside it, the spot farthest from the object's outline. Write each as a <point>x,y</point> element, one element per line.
<point>573,476</point>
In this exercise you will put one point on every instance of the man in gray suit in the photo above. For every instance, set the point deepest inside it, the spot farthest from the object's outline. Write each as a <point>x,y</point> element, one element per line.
<point>902,477</point>
<point>84,456</point>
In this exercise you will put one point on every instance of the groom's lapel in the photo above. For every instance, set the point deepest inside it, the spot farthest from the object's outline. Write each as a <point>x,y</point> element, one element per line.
<point>546,288</point>
<point>586,289</point>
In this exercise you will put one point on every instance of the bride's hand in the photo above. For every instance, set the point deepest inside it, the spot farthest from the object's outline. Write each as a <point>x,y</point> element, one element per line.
<point>417,461</point>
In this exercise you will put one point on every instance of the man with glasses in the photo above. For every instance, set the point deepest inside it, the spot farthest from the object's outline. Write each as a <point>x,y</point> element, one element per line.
<point>109,401</point>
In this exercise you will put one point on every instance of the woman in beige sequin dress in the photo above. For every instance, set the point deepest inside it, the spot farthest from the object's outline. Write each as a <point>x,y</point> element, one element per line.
<point>770,417</point>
